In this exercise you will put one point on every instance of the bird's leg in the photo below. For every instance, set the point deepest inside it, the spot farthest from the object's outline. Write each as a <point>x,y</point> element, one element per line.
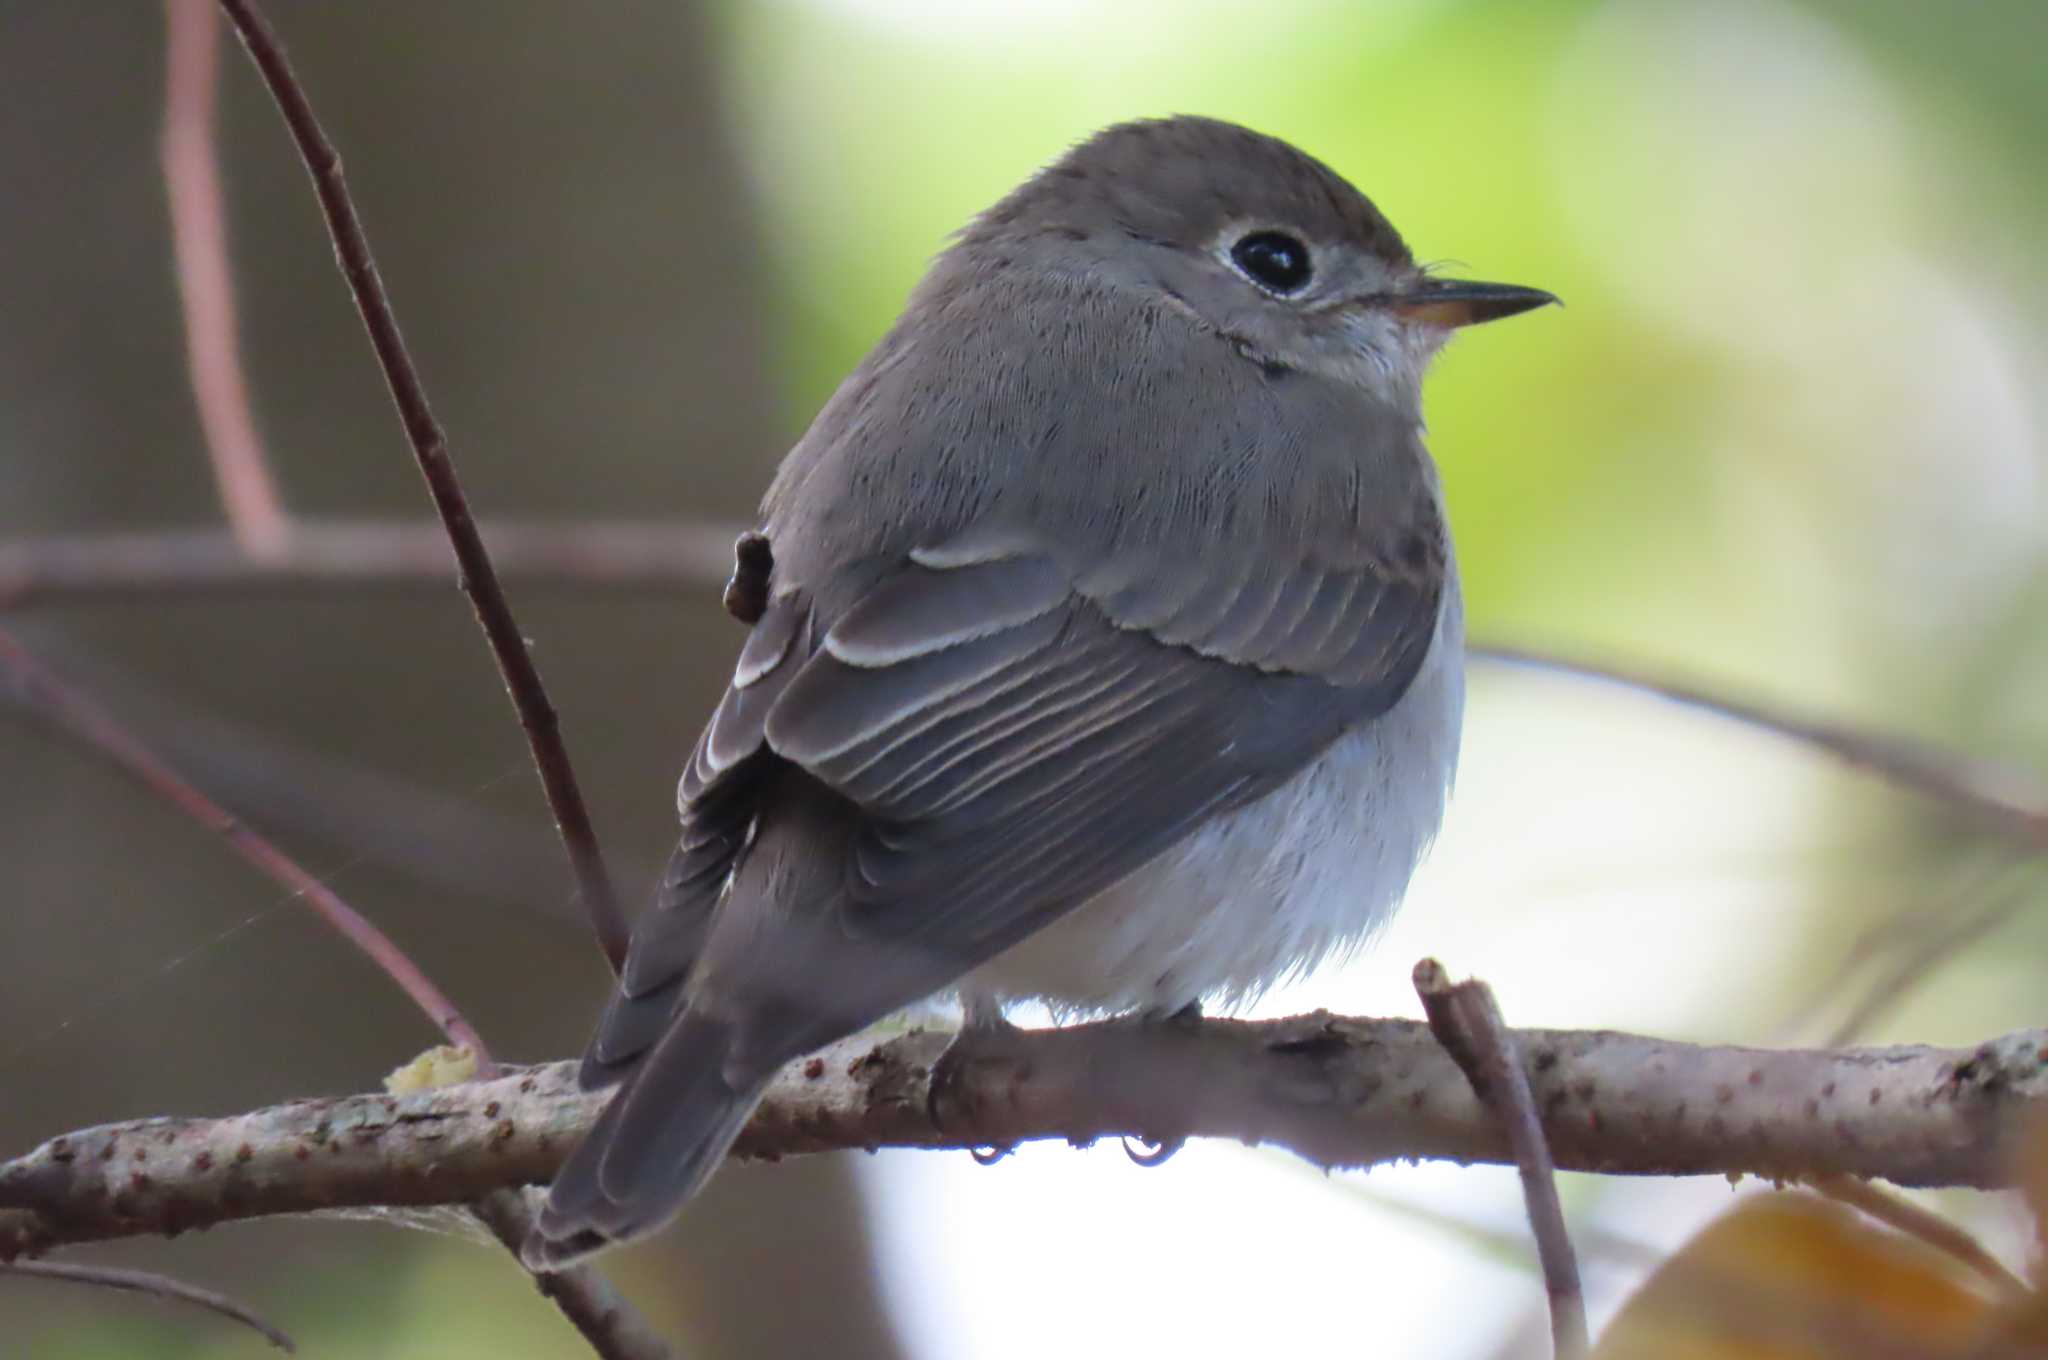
<point>983,1020</point>
<point>984,1014</point>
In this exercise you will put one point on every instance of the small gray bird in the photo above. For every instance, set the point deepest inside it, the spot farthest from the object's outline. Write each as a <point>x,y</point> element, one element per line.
<point>1106,648</point>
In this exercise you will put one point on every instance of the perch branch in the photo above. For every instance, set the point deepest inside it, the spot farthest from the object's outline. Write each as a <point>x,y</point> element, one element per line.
<point>1466,1021</point>
<point>1339,1092</point>
<point>478,578</point>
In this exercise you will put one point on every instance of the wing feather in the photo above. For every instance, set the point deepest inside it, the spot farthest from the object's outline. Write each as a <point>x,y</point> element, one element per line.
<point>1013,745</point>
<point>1003,735</point>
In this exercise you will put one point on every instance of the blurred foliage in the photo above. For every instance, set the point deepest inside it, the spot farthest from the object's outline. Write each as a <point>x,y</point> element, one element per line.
<point>1558,144</point>
<point>1793,1277</point>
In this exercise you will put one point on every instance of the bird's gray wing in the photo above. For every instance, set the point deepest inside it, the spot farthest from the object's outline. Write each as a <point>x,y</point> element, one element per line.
<point>1008,731</point>
<point>989,735</point>
<point>1017,730</point>
<point>719,798</point>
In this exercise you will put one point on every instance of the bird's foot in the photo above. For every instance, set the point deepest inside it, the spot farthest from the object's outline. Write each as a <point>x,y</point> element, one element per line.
<point>1182,1018</point>
<point>982,1024</point>
<point>983,1014</point>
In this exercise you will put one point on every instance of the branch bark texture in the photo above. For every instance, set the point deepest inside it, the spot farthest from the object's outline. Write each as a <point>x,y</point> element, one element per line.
<point>1337,1091</point>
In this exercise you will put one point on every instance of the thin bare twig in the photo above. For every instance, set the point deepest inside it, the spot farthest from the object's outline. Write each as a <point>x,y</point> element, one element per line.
<point>479,579</point>
<point>2000,797</point>
<point>1466,1020</point>
<point>153,1285</point>
<point>332,554</point>
<point>1947,938</point>
<point>46,696</point>
<point>1921,917</point>
<point>613,1327</point>
<point>1901,1214</point>
<point>199,243</point>
<point>445,842</point>
<point>610,1325</point>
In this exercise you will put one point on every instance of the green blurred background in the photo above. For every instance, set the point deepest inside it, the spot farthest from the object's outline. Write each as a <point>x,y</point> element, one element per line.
<point>1786,436</point>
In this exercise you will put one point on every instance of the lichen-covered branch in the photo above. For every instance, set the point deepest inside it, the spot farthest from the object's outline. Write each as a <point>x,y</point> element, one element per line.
<point>1337,1091</point>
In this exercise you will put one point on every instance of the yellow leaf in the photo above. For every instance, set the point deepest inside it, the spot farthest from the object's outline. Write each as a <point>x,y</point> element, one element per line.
<point>1795,1277</point>
<point>442,1066</point>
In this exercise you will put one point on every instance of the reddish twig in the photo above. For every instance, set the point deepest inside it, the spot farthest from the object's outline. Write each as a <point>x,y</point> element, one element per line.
<point>2000,797</point>
<point>63,707</point>
<point>199,242</point>
<point>155,1286</point>
<point>1467,1022</point>
<point>610,1325</point>
<point>478,578</point>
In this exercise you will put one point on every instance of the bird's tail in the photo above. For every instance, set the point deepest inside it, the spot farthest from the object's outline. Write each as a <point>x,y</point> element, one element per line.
<point>664,1132</point>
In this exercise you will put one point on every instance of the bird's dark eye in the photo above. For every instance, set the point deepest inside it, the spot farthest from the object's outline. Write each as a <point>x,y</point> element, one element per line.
<point>1274,260</point>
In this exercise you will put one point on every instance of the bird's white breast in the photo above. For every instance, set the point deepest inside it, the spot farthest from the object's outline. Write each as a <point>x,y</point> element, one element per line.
<point>1306,873</point>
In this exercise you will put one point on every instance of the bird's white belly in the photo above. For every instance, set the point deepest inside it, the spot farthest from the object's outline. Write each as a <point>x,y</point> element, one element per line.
<point>1268,891</point>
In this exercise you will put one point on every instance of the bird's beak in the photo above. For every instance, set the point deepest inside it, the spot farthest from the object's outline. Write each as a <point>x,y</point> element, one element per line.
<point>1453,302</point>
